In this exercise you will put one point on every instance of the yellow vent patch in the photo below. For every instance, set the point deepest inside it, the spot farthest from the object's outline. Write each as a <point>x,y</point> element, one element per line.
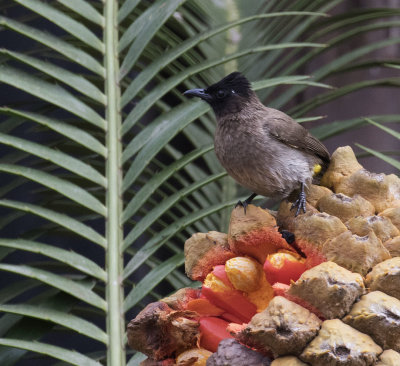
<point>317,169</point>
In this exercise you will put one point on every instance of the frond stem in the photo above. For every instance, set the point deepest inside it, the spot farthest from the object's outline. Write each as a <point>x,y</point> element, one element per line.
<point>114,290</point>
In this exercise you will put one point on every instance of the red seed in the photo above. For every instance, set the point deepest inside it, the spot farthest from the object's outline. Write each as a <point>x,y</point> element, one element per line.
<point>283,267</point>
<point>220,272</point>
<point>231,301</point>
<point>213,330</point>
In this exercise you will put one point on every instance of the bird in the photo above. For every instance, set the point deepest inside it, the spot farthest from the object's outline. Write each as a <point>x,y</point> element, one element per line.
<point>261,148</point>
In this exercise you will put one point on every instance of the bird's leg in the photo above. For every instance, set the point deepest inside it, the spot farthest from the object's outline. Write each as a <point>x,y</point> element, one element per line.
<point>246,202</point>
<point>301,201</point>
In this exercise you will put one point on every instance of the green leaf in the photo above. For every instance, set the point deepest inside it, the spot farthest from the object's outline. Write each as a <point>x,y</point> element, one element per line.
<point>167,204</point>
<point>341,20</point>
<point>345,59</point>
<point>309,119</point>
<point>168,125</point>
<point>70,258</point>
<point>65,22</point>
<point>29,329</point>
<point>70,321</point>
<point>11,217</point>
<point>321,99</point>
<point>363,29</point>
<point>381,156</point>
<point>65,284</point>
<point>65,48</point>
<point>126,8</point>
<point>363,64</point>
<point>72,357</point>
<point>62,186</point>
<point>57,157</point>
<point>336,127</point>
<point>143,30</point>
<point>311,83</point>
<point>61,219</point>
<point>73,80</point>
<point>14,290</point>
<point>148,189</point>
<point>78,135</point>
<point>51,93</point>
<point>267,83</point>
<point>393,66</point>
<point>153,278</point>
<point>384,128</point>
<point>84,9</point>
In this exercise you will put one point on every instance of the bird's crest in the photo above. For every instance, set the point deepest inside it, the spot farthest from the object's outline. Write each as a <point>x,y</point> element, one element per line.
<point>235,82</point>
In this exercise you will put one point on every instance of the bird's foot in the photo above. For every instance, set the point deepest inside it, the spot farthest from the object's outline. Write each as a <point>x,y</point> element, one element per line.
<point>300,202</point>
<point>246,202</point>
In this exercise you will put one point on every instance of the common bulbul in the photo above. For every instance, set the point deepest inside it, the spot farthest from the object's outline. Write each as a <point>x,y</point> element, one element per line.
<point>262,148</point>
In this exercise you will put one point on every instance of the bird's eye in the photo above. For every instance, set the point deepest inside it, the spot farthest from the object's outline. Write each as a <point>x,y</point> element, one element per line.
<point>221,93</point>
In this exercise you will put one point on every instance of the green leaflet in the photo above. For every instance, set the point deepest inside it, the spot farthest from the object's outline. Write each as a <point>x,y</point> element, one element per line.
<point>84,9</point>
<point>153,278</point>
<point>65,48</point>
<point>164,205</point>
<point>76,134</point>
<point>148,189</point>
<point>62,283</point>
<point>57,157</point>
<point>390,131</point>
<point>68,222</point>
<point>63,21</point>
<point>381,156</point>
<point>66,188</point>
<point>70,258</point>
<point>63,354</point>
<point>143,30</point>
<point>51,93</point>
<point>73,322</point>
<point>126,9</point>
<point>75,81</point>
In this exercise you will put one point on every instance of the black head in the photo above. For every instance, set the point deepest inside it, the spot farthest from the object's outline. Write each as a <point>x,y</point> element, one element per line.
<point>228,95</point>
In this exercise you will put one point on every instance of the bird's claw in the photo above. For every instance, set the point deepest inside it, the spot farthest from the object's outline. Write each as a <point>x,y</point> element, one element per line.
<point>244,204</point>
<point>300,204</point>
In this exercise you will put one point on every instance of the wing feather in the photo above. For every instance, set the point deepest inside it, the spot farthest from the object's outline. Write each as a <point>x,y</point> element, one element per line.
<point>286,130</point>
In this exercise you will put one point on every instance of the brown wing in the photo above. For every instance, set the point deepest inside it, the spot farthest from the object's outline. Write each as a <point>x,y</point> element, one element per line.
<point>289,132</point>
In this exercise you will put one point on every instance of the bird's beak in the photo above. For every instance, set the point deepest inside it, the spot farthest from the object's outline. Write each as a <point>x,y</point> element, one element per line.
<point>200,93</point>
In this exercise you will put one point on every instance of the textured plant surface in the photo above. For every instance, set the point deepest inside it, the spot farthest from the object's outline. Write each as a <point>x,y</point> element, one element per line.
<point>107,169</point>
